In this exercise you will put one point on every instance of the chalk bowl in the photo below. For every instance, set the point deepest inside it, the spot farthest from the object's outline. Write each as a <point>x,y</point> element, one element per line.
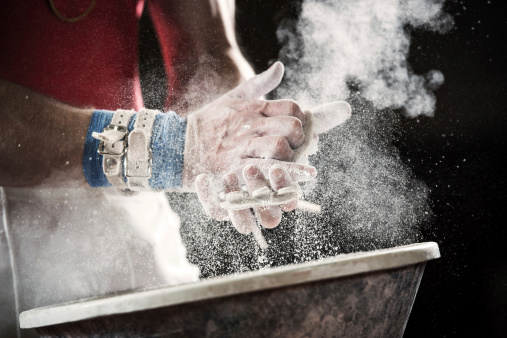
<point>367,294</point>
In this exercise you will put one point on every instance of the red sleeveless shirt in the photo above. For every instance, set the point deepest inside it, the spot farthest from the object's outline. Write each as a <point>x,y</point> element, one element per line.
<point>91,62</point>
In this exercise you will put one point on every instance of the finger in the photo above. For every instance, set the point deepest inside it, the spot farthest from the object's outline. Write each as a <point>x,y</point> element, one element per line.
<point>330,115</point>
<point>280,178</point>
<point>287,126</point>
<point>209,198</point>
<point>243,220</point>
<point>269,216</point>
<point>298,172</point>
<point>284,108</point>
<point>275,147</point>
<point>260,84</point>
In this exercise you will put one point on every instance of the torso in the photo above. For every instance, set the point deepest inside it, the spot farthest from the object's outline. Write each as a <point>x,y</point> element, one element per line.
<point>92,62</point>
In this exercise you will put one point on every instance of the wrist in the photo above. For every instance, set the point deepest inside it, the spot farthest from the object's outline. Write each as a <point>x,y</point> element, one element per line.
<point>166,143</point>
<point>168,146</point>
<point>92,160</point>
<point>193,150</point>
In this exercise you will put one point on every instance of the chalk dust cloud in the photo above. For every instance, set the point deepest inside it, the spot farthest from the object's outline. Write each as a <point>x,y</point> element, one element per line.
<point>357,51</point>
<point>364,42</point>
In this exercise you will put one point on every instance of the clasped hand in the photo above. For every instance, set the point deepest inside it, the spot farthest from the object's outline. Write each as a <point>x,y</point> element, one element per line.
<point>239,136</point>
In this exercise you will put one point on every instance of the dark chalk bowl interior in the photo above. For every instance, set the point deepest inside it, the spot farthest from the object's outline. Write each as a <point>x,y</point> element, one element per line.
<point>367,294</point>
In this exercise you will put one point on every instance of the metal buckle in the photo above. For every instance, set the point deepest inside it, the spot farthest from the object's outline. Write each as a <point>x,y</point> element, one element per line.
<point>129,172</point>
<point>125,132</point>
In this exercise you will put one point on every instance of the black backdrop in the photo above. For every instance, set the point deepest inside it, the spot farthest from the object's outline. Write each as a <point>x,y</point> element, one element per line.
<point>458,153</point>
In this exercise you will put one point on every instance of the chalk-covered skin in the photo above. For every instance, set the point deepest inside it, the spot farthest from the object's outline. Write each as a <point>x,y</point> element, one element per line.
<point>268,170</point>
<point>238,130</point>
<point>277,177</point>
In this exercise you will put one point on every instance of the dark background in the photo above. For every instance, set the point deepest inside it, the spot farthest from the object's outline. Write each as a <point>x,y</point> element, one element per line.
<point>458,153</point>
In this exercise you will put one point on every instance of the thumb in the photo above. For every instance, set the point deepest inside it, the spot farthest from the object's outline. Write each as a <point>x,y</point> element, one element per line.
<point>330,115</point>
<point>260,84</point>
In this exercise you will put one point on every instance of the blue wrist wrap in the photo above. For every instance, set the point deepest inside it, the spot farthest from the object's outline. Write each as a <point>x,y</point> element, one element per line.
<point>167,144</point>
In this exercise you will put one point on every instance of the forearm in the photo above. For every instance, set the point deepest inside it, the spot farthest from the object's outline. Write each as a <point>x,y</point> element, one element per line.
<point>206,24</point>
<point>209,61</point>
<point>41,139</point>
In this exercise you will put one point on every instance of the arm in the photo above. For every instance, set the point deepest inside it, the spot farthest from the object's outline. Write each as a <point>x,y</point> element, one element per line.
<point>199,49</point>
<point>42,140</point>
<point>39,138</point>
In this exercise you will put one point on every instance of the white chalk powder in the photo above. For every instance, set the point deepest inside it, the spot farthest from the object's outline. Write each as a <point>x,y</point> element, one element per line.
<point>340,50</point>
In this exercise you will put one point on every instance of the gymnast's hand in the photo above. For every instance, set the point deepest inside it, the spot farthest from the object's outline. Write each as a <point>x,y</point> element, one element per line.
<point>267,170</point>
<point>239,130</point>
